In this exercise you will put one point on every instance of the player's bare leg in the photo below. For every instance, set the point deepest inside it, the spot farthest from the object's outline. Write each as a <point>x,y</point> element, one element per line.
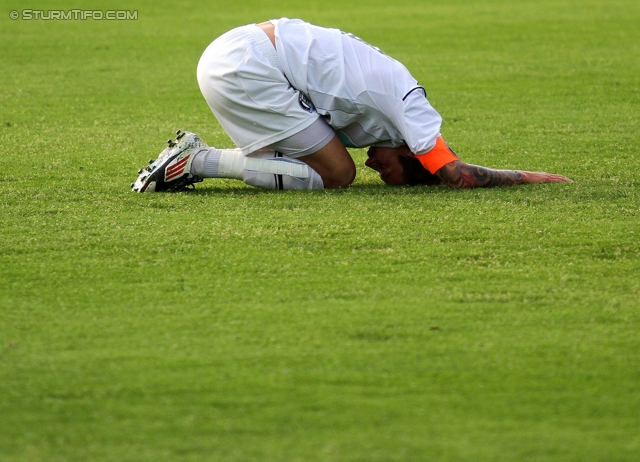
<point>330,167</point>
<point>333,163</point>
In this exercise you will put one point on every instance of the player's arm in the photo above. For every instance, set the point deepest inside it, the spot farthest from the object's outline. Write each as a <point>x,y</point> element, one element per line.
<point>442,162</point>
<point>459,175</point>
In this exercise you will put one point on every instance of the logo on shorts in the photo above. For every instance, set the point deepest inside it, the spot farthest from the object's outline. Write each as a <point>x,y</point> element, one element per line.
<point>305,103</point>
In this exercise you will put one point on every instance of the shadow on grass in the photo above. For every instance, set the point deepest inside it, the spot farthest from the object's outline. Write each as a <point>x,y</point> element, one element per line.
<point>223,190</point>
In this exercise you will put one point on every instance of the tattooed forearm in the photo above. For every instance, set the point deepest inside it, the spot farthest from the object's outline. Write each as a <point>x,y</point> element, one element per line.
<point>461,175</point>
<point>474,176</point>
<point>457,174</point>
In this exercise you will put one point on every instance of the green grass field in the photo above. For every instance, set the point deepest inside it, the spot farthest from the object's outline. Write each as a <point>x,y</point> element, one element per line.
<point>367,324</point>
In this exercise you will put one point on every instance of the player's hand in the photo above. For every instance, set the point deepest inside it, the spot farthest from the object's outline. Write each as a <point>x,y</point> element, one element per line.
<point>543,177</point>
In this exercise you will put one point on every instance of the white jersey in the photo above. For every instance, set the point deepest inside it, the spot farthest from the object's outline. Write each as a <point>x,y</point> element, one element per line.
<point>366,96</point>
<point>263,95</point>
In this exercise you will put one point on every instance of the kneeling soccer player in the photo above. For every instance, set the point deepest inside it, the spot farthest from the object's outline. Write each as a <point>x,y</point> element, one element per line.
<point>292,95</point>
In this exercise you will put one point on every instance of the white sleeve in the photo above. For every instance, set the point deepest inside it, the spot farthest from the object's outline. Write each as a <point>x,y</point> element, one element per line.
<point>420,124</point>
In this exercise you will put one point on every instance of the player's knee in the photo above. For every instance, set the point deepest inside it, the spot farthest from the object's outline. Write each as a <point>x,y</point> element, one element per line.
<point>350,175</point>
<point>341,178</point>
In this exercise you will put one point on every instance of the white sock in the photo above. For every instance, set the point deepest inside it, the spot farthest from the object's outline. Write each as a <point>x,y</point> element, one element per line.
<point>205,163</point>
<point>264,169</point>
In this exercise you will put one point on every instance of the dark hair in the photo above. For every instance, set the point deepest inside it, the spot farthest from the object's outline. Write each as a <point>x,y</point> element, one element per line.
<point>415,174</point>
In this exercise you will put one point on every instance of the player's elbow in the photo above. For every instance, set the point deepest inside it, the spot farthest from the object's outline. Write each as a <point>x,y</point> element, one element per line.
<point>452,175</point>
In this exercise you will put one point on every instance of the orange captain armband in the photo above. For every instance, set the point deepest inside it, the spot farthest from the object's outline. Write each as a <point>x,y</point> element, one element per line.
<point>438,157</point>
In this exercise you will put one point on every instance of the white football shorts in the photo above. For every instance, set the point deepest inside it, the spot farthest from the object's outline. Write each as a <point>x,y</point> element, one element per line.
<point>242,80</point>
